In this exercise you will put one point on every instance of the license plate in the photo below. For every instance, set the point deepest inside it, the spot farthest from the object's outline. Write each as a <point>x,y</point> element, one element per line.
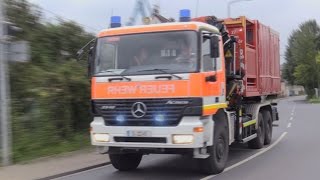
<point>139,133</point>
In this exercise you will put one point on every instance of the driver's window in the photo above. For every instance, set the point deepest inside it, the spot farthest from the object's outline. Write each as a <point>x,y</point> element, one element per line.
<point>207,61</point>
<point>106,58</point>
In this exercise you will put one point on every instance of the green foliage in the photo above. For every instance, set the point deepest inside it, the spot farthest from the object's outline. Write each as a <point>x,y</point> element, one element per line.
<point>318,58</point>
<point>314,100</point>
<point>290,64</point>
<point>51,93</point>
<point>302,65</point>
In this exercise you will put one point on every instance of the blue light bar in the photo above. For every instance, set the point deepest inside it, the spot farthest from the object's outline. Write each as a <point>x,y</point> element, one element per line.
<point>185,15</point>
<point>115,21</point>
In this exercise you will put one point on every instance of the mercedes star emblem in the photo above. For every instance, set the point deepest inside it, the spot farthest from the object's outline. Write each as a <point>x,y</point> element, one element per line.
<point>139,110</point>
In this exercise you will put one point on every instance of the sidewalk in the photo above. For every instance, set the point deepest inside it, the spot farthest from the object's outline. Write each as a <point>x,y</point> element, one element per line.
<point>53,165</point>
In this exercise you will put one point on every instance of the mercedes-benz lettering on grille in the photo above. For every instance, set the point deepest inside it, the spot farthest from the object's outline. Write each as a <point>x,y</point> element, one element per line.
<point>146,112</point>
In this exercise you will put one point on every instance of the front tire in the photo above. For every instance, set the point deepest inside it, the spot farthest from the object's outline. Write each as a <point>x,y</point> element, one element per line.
<point>219,152</point>
<point>258,142</point>
<point>125,162</point>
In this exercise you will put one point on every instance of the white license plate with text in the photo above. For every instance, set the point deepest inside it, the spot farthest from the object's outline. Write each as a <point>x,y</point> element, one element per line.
<point>139,133</point>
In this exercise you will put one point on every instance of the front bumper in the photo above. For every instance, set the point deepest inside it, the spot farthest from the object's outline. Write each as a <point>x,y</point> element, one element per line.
<point>185,127</point>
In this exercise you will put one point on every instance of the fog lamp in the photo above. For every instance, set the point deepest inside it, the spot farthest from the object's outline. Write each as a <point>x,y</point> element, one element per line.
<point>101,137</point>
<point>182,139</point>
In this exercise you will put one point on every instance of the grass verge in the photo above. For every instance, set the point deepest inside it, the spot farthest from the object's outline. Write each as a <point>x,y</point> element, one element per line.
<point>314,101</point>
<point>36,149</point>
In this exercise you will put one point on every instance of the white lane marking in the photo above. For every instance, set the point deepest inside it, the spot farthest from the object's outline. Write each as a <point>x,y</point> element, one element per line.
<point>292,114</point>
<point>289,125</point>
<point>70,175</point>
<point>291,118</point>
<point>251,157</point>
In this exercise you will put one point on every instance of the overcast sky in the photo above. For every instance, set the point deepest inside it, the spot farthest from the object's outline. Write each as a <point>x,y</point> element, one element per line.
<point>282,15</point>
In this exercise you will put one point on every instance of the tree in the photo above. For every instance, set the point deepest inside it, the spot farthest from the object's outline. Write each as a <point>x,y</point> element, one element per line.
<point>301,66</point>
<point>50,94</point>
<point>290,64</point>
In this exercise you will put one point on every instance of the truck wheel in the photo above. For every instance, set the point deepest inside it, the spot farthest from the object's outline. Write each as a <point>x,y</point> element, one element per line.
<point>258,142</point>
<point>219,152</point>
<point>125,162</point>
<point>268,124</point>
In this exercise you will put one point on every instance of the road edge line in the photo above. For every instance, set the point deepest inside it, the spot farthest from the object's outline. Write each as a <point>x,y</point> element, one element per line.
<point>77,171</point>
<point>250,157</point>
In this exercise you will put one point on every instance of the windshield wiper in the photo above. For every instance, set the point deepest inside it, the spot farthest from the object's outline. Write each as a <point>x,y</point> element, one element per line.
<point>112,72</point>
<point>161,70</point>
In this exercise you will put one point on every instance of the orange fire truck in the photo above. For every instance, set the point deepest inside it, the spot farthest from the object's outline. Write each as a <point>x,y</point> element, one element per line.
<point>190,87</point>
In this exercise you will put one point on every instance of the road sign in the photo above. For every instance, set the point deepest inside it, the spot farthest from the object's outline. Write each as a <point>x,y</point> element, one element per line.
<point>19,51</point>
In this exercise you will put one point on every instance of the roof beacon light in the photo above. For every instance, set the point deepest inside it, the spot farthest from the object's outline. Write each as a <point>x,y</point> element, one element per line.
<point>115,21</point>
<point>185,15</point>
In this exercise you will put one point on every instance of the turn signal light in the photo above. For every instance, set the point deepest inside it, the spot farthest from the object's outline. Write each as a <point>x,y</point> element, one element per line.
<point>198,129</point>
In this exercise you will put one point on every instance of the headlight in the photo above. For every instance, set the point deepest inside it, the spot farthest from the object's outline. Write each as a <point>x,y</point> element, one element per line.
<point>101,137</point>
<point>182,139</point>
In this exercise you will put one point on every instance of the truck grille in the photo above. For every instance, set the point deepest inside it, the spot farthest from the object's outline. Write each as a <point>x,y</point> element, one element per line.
<point>158,112</point>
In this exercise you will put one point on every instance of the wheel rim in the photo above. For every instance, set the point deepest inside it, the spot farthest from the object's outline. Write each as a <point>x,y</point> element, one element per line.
<point>220,149</point>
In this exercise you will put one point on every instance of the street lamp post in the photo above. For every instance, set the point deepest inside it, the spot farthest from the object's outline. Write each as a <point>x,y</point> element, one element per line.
<point>233,2</point>
<point>197,8</point>
<point>5,134</point>
<point>10,51</point>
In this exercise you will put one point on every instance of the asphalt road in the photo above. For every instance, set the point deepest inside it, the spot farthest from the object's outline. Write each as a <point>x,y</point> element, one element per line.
<point>293,154</point>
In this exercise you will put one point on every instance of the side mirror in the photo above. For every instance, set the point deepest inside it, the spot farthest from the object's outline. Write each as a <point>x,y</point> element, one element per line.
<point>214,43</point>
<point>90,61</point>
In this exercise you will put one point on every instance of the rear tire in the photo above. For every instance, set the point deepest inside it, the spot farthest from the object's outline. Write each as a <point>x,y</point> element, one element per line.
<point>268,127</point>
<point>258,142</point>
<point>219,152</point>
<point>125,162</point>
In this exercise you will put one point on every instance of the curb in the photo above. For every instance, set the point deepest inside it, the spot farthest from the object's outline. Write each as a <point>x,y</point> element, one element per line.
<point>74,171</point>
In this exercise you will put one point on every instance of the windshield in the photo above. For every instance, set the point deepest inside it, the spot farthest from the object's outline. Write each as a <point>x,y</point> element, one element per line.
<point>174,52</point>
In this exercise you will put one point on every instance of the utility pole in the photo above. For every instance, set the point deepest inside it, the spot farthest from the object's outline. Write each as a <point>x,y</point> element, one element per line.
<point>4,93</point>
<point>197,8</point>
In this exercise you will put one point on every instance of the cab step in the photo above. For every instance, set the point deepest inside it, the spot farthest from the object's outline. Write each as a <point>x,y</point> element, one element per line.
<point>249,138</point>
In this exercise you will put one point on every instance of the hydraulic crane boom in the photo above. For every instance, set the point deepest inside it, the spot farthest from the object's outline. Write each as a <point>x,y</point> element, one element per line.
<point>143,8</point>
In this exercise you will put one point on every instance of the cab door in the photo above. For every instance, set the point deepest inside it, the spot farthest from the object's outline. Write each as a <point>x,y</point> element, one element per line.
<point>214,73</point>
